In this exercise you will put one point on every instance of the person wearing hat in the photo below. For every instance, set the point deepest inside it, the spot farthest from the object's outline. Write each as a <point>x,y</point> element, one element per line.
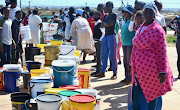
<point>127,45</point>
<point>149,65</point>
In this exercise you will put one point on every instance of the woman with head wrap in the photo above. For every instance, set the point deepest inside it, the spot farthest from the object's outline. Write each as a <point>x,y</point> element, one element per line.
<point>127,45</point>
<point>150,68</point>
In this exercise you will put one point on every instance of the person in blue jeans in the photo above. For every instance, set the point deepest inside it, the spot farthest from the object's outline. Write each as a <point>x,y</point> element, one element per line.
<point>109,42</point>
<point>6,38</point>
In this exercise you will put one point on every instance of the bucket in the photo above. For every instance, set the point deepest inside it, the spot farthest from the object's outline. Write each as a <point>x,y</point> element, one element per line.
<point>65,95</point>
<point>48,36</point>
<point>58,37</point>
<point>53,90</point>
<point>11,67</point>
<point>84,77</point>
<point>98,100</point>
<point>41,46</point>
<point>70,87</point>
<point>67,50</point>
<point>48,75</point>
<point>63,71</point>
<point>76,81</point>
<point>41,59</point>
<point>56,42</point>
<point>1,79</point>
<point>78,53</point>
<point>51,53</point>
<point>38,86</point>
<point>18,100</point>
<point>12,80</point>
<point>38,72</point>
<point>53,27</point>
<point>33,65</point>
<point>25,33</point>
<point>82,102</point>
<point>92,92</point>
<point>45,26</point>
<point>31,104</point>
<point>30,52</point>
<point>26,78</point>
<point>48,102</point>
<point>74,58</point>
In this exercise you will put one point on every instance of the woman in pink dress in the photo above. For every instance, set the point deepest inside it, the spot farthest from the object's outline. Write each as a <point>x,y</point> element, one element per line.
<point>150,68</point>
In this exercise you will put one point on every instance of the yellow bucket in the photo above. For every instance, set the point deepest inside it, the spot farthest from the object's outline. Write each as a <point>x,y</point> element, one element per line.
<point>41,46</point>
<point>56,42</point>
<point>53,90</point>
<point>82,102</point>
<point>78,53</point>
<point>38,72</point>
<point>84,77</point>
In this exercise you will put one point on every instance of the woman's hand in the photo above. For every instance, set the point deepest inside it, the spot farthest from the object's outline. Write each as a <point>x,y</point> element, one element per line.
<point>162,77</point>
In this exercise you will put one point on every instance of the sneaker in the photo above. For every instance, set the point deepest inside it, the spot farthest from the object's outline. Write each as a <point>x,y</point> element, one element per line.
<point>110,69</point>
<point>119,63</point>
<point>113,77</point>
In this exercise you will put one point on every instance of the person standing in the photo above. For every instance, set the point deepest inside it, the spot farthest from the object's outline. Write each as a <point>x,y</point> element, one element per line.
<point>127,37</point>
<point>35,23</point>
<point>25,22</point>
<point>109,42</point>
<point>149,64</point>
<point>176,21</point>
<point>91,21</point>
<point>6,40</point>
<point>100,8</point>
<point>16,37</point>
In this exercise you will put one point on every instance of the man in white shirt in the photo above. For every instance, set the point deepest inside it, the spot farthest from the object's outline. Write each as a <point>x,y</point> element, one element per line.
<point>35,23</point>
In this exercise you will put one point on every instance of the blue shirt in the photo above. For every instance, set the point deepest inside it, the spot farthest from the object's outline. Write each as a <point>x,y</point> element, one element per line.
<point>126,35</point>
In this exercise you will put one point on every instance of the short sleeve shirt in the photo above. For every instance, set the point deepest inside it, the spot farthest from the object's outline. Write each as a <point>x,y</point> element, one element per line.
<point>34,21</point>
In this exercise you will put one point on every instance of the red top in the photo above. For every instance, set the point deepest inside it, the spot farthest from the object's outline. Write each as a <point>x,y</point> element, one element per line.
<point>70,87</point>
<point>91,23</point>
<point>82,98</point>
<point>25,21</point>
<point>102,16</point>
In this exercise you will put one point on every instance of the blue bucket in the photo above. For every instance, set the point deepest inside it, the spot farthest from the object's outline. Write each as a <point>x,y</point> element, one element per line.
<point>143,102</point>
<point>63,71</point>
<point>12,80</point>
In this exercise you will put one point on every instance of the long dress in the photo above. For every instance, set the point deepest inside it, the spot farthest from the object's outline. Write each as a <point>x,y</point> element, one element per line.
<point>84,34</point>
<point>149,59</point>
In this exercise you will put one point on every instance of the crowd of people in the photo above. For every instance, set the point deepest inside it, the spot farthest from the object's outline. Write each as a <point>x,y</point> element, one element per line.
<point>142,37</point>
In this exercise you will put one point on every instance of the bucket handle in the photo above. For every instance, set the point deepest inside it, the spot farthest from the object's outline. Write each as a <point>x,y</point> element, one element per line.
<point>15,77</point>
<point>67,53</point>
<point>64,71</point>
<point>26,105</point>
<point>66,103</point>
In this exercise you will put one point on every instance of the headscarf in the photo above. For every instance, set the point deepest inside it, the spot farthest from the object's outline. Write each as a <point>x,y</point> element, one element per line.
<point>141,4</point>
<point>151,6</point>
<point>129,9</point>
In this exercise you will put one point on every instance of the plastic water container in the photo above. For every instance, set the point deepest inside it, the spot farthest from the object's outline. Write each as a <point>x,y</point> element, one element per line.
<point>38,86</point>
<point>70,87</point>
<point>25,33</point>
<point>92,92</point>
<point>53,90</point>
<point>74,58</point>
<point>76,81</point>
<point>84,77</point>
<point>48,36</point>
<point>98,100</point>
<point>38,72</point>
<point>26,78</point>
<point>56,42</point>
<point>41,59</point>
<point>49,102</point>
<point>1,79</point>
<point>11,67</point>
<point>53,27</point>
<point>63,71</point>
<point>45,26</point>
<point>67,50</point>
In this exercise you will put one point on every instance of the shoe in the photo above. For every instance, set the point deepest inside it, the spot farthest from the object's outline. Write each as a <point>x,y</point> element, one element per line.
<point>119,63</point>
<point>94,66</point>
<point>95,73</point>
<point>113,78</point>
<point>100,75</point>
<point>123,81</point>
<point>94,60</point>
<point>110,69</point>
<point>128,82</point>
<point>84,61</point>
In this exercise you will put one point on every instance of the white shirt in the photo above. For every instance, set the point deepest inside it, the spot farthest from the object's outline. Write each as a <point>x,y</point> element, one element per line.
<point>160,20</point>
<point>6,32</point>
<point>34,21</point>
<point>13,11</point>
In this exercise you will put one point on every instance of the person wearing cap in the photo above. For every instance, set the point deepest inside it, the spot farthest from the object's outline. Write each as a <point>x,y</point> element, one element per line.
<point>149,65</point>
<point>15,8</point>
<point>127,45</point>
<point>109,42</point>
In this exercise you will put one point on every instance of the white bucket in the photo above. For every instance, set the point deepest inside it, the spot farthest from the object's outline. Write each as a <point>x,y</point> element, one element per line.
<point>76,81</point>
<point>48,36</point>
<point>53,27</point>
<point>25,33</point>
<point>45,26</point>
<point>74,58</point>
<point>49,102</point>
<point>41,59</point>
<point>92,92</point>
<point>39,85</point>
<point>67,50</point>
<point>12,67</point>
<point>98,100</point>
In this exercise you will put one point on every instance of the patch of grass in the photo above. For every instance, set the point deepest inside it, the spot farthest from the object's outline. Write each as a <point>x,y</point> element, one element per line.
<point>171,39</point>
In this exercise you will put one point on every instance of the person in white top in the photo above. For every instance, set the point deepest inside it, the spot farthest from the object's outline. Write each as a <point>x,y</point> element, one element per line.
<point>35,23</point>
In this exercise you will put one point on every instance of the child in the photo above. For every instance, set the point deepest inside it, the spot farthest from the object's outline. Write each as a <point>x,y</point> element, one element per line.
<point>5,38</point>
<point>16,37</point>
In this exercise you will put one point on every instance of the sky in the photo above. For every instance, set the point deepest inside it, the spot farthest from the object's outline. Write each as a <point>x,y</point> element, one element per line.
<point>91,3</point>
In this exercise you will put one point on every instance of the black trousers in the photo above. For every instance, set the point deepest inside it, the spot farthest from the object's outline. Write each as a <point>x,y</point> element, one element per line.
<point>178,54</point>
<point>15,53</point>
